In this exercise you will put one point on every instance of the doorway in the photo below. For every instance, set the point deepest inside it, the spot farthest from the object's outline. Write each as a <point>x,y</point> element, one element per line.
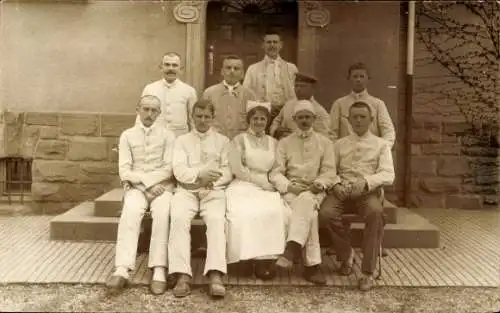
<point>237,27</point>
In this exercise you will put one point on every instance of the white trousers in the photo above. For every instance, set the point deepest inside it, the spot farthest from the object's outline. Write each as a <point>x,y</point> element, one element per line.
<point>212,209</point>
<point>303,224</point>
<point>134,207</point>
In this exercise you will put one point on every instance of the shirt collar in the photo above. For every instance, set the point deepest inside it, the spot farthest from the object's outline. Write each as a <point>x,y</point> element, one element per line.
<point>226,84</point>
<point>145,129</point>
<point>231,88</point>
<point>305,134</point>
<point>362,137</point>
<point>202,135</point>
<point>170,85</point>
<point>359,95</point>
<point>253,133</point>
<point>268,60</point>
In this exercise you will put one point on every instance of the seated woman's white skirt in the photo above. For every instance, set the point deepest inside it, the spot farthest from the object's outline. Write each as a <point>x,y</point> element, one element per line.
<point>256,222</point>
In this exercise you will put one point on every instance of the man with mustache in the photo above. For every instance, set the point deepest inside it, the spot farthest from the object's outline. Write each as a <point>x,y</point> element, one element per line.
<point>272,79</point>
<point>201,167</point>
<point>229,98</point>
<point>305,168</point>
<point>284,124</point>
<point>381,126</point>
<point>145,168</point>
<point>176,96</point>
<point>364,165</point>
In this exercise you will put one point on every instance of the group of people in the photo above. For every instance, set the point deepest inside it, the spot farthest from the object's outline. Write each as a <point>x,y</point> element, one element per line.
<point>262,163</point>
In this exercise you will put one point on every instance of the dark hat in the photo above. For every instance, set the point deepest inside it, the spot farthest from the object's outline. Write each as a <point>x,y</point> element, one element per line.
<point>303,77</point>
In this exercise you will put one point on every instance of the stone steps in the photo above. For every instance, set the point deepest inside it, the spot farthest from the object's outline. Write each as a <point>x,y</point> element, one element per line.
<point>98,221</point>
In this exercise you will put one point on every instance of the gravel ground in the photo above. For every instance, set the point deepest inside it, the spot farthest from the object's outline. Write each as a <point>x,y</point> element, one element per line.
<point>92,298</point>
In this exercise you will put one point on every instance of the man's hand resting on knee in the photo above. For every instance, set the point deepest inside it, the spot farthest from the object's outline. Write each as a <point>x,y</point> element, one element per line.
<point>340,191</point>
<point>154,191</point>
<point>296,188</point>
<point>359,187</point>
<point>316,187</point>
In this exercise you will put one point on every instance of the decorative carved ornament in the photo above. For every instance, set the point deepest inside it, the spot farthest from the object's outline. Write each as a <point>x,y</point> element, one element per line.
<point>316,14</point>
<point>187,11</point>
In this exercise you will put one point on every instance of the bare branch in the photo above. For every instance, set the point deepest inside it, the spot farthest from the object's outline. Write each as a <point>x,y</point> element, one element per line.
<point>463,37</point>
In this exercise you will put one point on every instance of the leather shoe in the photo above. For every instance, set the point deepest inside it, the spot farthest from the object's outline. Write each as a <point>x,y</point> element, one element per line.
<point>182,287</point>
<point>366,283</point>
<point>291,254</point>
<point>171,280</point>
<point>265,269</point>
<point>216,288</point>
<point>345,268</point>
<point>116,284</point>
<point>314,275</point>
<point>283,262</point>
<point>245,268</point>
<point>158,287</point>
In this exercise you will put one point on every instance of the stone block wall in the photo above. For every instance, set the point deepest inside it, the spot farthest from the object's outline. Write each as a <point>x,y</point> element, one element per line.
<point>74,154</point>
<point>452,167</point>
<point>454,136</point>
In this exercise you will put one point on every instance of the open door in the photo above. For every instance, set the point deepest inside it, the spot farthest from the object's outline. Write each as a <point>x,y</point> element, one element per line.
<point>237,27</point>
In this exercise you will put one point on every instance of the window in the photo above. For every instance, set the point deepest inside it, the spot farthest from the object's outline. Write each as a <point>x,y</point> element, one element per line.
<point>257,6</point>
<point>15,176</point>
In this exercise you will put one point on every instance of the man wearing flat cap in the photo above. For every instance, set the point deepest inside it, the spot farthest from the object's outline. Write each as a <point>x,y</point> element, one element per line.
<point>304,169</point>
<point>284,124</point>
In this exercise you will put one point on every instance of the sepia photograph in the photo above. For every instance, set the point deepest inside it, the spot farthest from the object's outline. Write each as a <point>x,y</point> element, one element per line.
<point>250,156</point>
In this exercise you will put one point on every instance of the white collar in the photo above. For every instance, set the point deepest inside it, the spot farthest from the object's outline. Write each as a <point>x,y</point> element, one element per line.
<point>359,95</point>
<point>305,134</point>
<point>170,85</point>
<point>202,135</point>
<point>231,88</point>
<point>269,60</point>
<point>366,135</point>
<point>254,134</point>
<point>144,128</point>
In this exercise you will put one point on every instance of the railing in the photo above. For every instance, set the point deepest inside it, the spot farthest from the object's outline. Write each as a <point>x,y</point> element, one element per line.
<point>15,180</point>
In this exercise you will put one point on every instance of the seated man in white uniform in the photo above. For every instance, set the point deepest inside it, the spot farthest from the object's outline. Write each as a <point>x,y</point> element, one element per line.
<point>145,169</point>
<point>201,167</point>
<point>305,168</point>
<point>364,165</point>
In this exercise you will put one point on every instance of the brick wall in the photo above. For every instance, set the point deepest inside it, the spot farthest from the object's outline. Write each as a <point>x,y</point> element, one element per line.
<point>73,154</point>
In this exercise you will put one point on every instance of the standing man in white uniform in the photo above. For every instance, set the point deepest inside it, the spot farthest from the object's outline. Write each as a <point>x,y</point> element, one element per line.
<point>177,97</point>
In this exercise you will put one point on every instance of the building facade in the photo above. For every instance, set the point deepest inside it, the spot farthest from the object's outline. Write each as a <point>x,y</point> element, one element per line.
<point>72,72</point>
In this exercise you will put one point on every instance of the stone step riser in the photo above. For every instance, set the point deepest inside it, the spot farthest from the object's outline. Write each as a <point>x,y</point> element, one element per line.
<point>79,224</point>
<point>88,231</point>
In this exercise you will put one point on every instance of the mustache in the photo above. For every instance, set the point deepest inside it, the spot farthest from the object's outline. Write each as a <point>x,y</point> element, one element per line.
<point>171,72</point>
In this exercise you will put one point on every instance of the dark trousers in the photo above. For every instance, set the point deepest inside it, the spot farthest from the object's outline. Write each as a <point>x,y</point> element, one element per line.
<point>371,208</point>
